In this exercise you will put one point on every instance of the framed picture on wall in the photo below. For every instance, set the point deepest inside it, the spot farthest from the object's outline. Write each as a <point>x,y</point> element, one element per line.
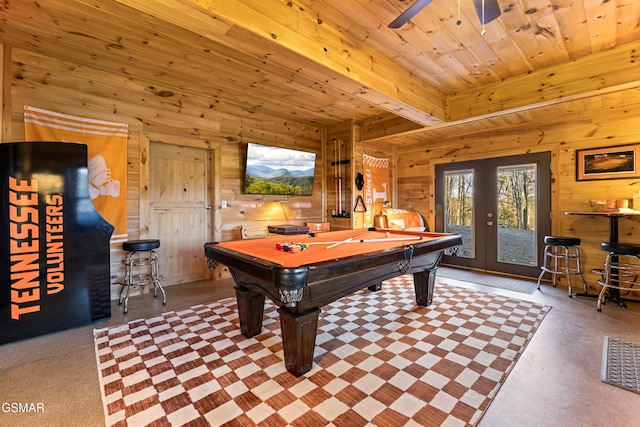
<point>617,162</point>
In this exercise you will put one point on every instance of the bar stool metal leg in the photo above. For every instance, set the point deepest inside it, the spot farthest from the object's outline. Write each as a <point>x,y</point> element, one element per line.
<point>544,266</point>
<point>126,283</point>
<point>141,268</point>
<point>621,272</point>
<point>573,268</point>
<point>155,277</point>
<point>562,257</point>
<point>605,282</point>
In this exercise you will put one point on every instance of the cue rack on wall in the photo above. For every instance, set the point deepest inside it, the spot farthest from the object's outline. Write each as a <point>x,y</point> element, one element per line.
<point>339,164</point>
<point>341,190</point>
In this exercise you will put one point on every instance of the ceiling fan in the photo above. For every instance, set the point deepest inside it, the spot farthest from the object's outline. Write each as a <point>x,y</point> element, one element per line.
<point>487,11</point>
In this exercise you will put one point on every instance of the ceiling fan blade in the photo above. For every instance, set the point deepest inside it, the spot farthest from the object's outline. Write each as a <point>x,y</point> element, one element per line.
<point>409,13</point>
<point>491,10</point>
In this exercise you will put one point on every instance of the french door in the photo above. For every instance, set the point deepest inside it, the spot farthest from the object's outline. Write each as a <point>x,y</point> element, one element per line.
<point>501,207</point>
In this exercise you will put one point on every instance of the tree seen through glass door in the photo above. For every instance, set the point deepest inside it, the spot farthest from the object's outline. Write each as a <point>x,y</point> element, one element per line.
<point>517,214</point>
<point>501,207</point>
<point>459,210</point>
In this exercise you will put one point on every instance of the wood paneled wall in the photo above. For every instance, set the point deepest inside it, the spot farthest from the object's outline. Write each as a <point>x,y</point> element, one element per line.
<point>183,119</point>
<point>192,120</point>
<point>256,212</point>
<point>349,135</point>
<point>600,121</point>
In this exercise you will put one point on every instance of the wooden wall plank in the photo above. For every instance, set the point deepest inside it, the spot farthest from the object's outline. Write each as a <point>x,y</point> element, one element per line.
<point>195,120</point>
<point>5,93</point>
<point>607,121</point>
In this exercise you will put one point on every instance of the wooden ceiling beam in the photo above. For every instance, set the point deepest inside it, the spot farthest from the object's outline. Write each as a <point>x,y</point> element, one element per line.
<point>559,111</point>
<point>596,73</point>
<point>349,67</point>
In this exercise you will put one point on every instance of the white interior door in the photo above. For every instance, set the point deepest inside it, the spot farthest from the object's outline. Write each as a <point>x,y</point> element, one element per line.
<point>180,214</point>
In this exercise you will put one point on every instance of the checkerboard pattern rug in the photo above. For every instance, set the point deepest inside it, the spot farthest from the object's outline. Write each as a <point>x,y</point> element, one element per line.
<point>380,359</point>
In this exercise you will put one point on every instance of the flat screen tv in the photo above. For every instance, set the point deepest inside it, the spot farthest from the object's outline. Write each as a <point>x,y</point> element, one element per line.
<point>278,171</point>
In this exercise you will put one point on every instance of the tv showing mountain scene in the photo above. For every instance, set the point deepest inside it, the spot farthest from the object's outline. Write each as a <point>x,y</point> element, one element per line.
<point>278,171</point>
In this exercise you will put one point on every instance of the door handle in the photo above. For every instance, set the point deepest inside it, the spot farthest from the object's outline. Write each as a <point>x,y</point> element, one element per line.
<point>489,215</point>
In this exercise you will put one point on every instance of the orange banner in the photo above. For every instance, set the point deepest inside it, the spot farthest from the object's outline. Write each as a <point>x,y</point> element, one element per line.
<point>107,163</point>
<point>376,186</point>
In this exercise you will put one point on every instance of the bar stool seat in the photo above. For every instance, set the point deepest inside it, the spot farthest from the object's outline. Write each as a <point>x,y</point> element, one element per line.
<point>562,257</point>
<point>141,268</point>
<point>561,241</point>
<point>140,245</point>
<point>621,248</point>
<point>621,269</point>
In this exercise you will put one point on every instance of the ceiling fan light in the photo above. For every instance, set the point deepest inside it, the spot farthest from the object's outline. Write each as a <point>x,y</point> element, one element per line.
<point>487,10</point>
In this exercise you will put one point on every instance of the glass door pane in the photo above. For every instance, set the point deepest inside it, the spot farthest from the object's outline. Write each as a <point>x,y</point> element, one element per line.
<point>517,214</point>
<point>501,207</point>
<point>459,210</point>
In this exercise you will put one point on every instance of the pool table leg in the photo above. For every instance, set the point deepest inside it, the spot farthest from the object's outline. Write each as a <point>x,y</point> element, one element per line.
<point>423,283</point>
<point>298,339</point>
<point>376,287</point>
<point>250,311</point>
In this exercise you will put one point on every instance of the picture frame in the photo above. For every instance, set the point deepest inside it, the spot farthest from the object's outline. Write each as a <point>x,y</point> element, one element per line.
<point>616,162</point>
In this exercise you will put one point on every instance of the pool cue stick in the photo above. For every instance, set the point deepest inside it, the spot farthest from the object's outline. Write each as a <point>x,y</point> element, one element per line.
<point>339,195</point>
<point>339,243</point>
<point>391,239</point>
<point>335,174</point>
<point>345,240</point>
<point>356,240</point>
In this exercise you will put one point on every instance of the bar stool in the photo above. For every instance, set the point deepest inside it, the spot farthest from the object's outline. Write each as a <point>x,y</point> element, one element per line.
<point>621,269</point>
<point>562,257</point>
<point>141,268</point>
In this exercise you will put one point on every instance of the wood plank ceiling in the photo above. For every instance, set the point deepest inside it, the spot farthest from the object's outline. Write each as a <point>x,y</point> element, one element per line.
<point>324,61</point>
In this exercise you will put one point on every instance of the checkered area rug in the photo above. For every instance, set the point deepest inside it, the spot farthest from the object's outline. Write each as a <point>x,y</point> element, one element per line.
<point>380,359</point>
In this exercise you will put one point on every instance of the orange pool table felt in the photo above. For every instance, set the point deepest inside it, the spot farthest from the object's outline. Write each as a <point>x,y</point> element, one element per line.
<point>318,249</point>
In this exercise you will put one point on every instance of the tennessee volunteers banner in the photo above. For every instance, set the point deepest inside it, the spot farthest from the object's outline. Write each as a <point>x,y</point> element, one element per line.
<point>376,186</point>
<point>54,256</point>
<point>107,159</point>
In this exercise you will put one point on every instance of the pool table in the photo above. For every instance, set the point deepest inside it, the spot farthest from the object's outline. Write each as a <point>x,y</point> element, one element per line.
<point>333,265</point>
